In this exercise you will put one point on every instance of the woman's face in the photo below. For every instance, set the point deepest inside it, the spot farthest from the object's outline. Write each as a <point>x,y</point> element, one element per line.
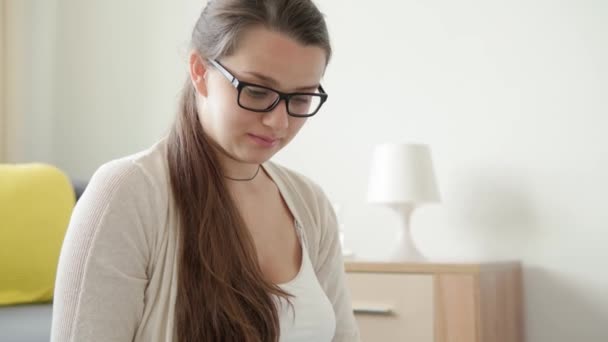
<point>265,58</point>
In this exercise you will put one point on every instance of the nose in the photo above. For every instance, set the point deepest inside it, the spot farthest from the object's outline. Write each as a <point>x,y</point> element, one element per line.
<point>277,119</point>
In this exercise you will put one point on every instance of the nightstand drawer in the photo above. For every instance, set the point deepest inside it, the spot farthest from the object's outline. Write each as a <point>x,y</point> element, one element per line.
<point>393,307</point>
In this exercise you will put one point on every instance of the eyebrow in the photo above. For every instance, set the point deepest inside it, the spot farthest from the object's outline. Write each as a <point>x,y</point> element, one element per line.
<point>274,83</point>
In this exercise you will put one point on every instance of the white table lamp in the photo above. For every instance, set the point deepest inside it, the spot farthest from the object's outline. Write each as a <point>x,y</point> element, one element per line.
<point>402,178</point>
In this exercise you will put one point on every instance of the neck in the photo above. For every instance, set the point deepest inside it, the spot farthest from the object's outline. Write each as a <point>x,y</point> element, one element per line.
<point>261,183</point>
<point>244,179</point>
<point>235,171</point>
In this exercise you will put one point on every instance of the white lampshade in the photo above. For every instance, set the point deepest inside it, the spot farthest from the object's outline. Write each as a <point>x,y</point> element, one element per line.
<point>402,174</point>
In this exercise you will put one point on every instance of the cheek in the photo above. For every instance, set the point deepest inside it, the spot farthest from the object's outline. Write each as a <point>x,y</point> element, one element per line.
<point>295,124</point>
<point>224,118</point>
<point>219,104</point>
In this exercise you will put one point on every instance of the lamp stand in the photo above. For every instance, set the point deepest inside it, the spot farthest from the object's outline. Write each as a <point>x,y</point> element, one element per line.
<point>404,248</point>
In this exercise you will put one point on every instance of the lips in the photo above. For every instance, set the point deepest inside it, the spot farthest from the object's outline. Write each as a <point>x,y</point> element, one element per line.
<point>264,140</point>
<point>267,139</point>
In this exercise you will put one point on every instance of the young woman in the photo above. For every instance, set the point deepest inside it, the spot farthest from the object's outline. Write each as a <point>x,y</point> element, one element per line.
<point>201,237</point>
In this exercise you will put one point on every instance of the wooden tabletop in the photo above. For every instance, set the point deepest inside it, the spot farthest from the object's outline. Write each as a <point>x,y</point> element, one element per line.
<point>429,266</point>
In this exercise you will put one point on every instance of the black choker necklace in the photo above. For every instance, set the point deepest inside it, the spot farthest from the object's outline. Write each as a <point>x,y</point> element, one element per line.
<point>245,179</point>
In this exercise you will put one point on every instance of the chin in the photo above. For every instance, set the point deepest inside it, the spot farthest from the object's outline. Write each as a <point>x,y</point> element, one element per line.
<point>252,156</point>
<point>260,158</point>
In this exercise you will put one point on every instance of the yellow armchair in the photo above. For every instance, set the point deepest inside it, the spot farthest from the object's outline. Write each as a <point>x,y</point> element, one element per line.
<point>36,202</point>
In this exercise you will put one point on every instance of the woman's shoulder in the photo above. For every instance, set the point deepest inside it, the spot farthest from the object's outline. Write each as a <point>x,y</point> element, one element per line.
<point>141,175</point>
<point>123,201</point>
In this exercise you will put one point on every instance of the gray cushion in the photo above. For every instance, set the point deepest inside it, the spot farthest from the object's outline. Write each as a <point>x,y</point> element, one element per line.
<point>26,323</point>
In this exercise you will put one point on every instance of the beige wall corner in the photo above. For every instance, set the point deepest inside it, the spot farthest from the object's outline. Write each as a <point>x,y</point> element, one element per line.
<point>16,31</point>
<point>2,81</point>
<point>13,42</point>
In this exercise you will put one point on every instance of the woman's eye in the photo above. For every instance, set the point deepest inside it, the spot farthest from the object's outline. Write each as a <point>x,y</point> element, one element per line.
<point>253,92</point>
<point>301,99</point>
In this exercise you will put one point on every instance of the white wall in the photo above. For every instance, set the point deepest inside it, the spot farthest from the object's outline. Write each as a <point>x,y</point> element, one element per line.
<point>510,95</point>
<point>120,68</point>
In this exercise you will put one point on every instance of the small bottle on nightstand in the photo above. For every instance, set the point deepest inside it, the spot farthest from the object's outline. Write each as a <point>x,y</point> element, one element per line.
<point>338,209</point>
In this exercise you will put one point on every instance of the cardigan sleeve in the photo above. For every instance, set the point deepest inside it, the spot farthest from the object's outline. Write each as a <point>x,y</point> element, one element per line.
<point>331,274</point>
<point>102,271</point>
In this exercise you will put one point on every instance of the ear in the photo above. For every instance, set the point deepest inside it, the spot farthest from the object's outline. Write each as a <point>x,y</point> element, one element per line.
<point>198,73</point>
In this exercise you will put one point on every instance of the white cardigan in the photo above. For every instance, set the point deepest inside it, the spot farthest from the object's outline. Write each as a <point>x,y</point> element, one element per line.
<point>117,273</point>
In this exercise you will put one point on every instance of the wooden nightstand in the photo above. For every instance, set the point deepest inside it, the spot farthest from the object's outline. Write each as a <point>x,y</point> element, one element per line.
<point>437,302</point>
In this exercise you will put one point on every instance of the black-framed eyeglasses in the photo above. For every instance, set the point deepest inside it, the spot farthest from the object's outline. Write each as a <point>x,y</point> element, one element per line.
<point>261,99</point>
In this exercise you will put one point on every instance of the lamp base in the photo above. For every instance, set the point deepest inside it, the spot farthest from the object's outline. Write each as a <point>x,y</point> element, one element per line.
<point>404,248</point>
<point>406,253</point>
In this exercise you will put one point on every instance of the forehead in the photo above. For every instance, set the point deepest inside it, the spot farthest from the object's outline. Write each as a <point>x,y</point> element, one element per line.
<point>278,56</point>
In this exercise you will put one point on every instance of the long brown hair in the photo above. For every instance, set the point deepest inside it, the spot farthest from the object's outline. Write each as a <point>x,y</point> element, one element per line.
<point>223,295</point>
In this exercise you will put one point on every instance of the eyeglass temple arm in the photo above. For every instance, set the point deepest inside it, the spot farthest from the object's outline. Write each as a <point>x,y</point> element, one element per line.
<point>225,72</point>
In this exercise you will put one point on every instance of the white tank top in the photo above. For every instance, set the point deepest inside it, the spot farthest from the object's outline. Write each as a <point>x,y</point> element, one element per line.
<point>312,317</point>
